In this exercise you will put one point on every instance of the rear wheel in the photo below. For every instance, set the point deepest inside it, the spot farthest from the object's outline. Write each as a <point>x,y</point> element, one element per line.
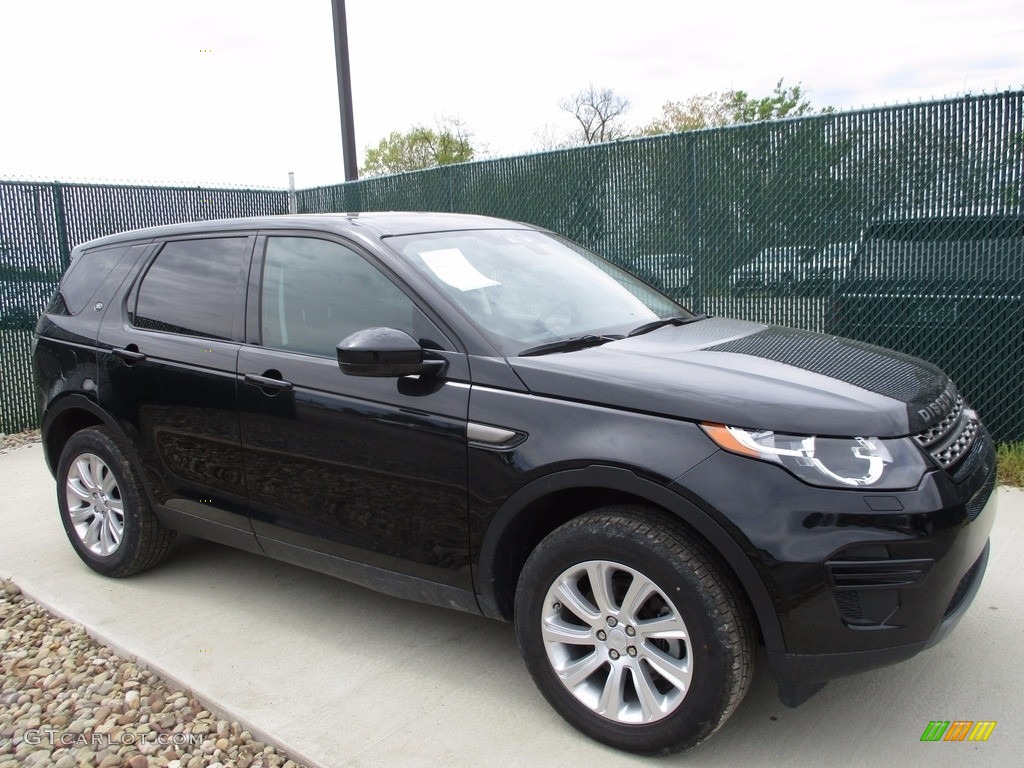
<point>633,632</point>
<point>104,508</point>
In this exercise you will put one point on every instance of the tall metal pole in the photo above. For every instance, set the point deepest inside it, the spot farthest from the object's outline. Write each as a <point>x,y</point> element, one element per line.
<point>348,133</point>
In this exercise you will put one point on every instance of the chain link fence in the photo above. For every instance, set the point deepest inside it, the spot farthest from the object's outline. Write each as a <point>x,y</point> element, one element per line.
<point>39,224</point>
<point>901,226</point>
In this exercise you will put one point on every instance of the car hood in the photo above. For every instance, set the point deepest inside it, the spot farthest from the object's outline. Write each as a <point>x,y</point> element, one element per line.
<point>751,375</point>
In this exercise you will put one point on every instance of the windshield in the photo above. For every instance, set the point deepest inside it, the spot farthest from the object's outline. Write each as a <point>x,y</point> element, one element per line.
<point>524,288</point>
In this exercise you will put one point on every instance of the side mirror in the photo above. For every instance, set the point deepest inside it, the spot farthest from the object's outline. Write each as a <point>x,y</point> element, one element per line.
<point>384,352</point>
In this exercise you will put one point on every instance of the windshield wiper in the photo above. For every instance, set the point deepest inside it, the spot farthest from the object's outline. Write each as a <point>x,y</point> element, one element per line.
<point>655,324</point>
<point>569,345</point>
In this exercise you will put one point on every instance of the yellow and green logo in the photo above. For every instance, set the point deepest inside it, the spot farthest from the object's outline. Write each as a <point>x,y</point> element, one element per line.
<point>958,730</point>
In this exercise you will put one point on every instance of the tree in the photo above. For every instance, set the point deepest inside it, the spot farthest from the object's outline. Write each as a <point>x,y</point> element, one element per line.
<point>419,148</point>
<point>712,110</point>
<point>599,112</point>
<point>784,102</point>
<point>718,109</point>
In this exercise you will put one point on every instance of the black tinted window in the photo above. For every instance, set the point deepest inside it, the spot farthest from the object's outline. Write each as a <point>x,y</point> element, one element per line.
<point>85,275</point>
<point>316,292</point>
<point>192,288</point>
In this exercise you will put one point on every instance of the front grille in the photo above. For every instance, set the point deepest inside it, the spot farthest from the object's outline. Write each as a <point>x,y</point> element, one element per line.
<point>948,440</point>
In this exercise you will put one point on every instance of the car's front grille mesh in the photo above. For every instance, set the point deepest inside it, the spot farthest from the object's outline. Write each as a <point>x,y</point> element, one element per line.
<point>951,437</point>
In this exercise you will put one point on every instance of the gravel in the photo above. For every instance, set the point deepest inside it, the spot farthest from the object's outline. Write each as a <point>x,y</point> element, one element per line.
<point>9,443</point>
<point>68,702</point>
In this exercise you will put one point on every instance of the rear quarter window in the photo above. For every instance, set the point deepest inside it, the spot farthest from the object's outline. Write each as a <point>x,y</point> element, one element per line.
<point>85,275</point>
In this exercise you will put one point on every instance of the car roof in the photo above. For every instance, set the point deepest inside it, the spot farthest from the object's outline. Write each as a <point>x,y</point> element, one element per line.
<point>380,223</point>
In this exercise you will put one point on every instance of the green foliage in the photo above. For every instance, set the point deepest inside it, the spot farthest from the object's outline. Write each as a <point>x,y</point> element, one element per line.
<point>718,109</point>
<point>1010,460</point>
<point>712,110</point>
<point>417,149</point>
<point>784,102</point>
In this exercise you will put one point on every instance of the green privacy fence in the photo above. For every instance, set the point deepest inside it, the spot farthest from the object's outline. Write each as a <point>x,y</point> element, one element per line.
<point>39,224</point>
<point>901,226</point>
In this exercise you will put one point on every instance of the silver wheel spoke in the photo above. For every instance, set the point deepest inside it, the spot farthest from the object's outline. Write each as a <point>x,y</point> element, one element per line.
<point>77,488</point>
<point>82,515</point>
<point>108,484</point>
<point>83,467</point>
<point>640,590</point>
<point>666,627</point>
<point>651,700</point>
<point>577,672</point>
<point>619,647</point>
<point>568,594</point>
<point>676,671</point>
<point>96,472</point>
<point>600,575</point>
<point>557,631</point>
<point>111,534</point>
<point>92,535</point>
<point>95,509</point>
<point>116,523</point>
<point>610,704</point>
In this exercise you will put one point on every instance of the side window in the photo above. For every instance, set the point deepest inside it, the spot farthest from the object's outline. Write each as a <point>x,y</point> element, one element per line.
<point>316,292</point>
<point>85,275</point>
<point>192,288</point>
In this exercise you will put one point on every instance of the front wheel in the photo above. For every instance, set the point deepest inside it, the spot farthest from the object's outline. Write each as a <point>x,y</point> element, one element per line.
<point>633,632</point>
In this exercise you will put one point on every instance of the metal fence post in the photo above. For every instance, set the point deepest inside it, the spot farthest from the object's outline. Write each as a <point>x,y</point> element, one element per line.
<point>60,223</point>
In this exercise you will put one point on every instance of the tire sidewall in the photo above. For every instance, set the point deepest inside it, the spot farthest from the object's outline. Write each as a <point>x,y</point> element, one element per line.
<point>98,443</point>
<point>701,711</point>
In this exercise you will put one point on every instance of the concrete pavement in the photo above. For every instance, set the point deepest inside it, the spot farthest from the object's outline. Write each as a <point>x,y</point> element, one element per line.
<point>341,676</point>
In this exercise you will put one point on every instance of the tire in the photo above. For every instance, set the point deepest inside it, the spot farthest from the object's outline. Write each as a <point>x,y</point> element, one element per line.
<point>593,653</point>
<point>104,508</point>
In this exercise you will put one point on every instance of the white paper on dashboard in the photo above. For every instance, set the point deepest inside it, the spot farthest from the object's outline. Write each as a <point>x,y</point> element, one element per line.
<point>451,266</point>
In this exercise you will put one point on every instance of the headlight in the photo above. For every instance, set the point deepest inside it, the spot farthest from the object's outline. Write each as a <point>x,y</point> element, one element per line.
<point>855,462</point>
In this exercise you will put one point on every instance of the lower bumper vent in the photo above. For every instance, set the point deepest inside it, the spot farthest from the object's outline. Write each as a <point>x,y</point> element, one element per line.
<point>867,592</point>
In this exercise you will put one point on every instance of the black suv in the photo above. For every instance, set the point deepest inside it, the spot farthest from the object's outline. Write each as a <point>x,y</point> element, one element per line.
<point>480,414</point>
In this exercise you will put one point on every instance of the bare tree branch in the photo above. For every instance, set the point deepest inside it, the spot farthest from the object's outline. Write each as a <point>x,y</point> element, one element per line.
<point>599,112</point>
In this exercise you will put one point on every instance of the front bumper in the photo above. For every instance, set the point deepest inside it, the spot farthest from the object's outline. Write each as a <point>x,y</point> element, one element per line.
<point>857,580</point>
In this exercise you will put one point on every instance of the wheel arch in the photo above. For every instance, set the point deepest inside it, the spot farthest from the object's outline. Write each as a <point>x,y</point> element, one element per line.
<point>548,502</point>
<point>66,416</point>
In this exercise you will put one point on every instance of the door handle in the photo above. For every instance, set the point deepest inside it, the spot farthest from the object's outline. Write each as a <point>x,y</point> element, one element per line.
<point>268,382</point>
<point>129,354</point>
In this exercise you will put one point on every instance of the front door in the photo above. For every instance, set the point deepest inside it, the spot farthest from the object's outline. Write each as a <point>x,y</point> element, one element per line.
<point>345,470</point>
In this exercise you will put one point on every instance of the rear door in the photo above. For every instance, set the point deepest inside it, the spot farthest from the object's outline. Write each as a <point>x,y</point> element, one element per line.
<point>167,356</point>
<point>346,472</point>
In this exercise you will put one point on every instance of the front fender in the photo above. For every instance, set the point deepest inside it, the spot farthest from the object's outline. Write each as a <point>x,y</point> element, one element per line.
<point>617,480</point>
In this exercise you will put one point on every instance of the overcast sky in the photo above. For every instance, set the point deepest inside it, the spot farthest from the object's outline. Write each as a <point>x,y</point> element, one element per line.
<point>239,92</point>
